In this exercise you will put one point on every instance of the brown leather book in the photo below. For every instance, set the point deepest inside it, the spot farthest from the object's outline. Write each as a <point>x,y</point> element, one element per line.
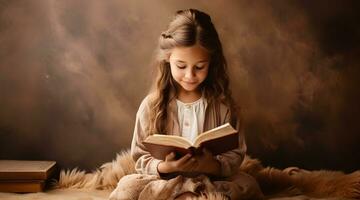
<point>22,186</point>
<point>218,140</point>
<point>26,169</point>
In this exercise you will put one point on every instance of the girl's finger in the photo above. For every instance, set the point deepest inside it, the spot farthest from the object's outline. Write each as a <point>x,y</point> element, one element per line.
<point>189,165</point>
<point>184,159</point>
<point>170,157</point>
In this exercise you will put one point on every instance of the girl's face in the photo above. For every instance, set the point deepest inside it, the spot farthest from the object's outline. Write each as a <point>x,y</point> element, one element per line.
<point>189,67</point>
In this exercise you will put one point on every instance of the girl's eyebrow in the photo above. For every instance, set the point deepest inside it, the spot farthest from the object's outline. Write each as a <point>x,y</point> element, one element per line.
<point>201,61</point>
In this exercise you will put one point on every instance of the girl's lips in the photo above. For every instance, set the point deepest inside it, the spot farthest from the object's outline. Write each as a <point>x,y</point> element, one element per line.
<point>194,82</point>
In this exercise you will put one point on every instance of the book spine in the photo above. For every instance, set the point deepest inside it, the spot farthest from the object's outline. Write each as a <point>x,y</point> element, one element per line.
<point>23,175</point>
<point>40,175</point>
<point>22,186</point>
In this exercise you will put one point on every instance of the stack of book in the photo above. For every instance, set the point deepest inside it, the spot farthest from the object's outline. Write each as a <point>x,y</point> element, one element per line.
<point>24,175</point>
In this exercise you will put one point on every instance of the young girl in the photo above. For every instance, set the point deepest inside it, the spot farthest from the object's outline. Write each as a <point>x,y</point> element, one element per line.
<point>191,96</point>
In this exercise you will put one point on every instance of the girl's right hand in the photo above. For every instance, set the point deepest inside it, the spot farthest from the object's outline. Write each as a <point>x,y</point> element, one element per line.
<point>185,164</point>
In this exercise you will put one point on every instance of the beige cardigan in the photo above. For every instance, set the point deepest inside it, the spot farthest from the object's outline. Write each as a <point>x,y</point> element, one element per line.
<point>215,115</point>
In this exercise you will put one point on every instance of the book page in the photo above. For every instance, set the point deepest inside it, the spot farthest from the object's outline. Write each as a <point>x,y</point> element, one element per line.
<point>217,132</point>
<point>170,140</point>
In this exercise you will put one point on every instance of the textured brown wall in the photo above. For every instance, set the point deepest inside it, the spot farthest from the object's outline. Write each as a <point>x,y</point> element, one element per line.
<point>72,74</point>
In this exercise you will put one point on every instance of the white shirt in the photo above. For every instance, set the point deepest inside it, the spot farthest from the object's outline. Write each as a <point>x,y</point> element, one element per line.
<point>191,117</point>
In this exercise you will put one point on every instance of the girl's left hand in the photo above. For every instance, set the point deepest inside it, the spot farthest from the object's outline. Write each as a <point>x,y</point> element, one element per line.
<point>206,163</point>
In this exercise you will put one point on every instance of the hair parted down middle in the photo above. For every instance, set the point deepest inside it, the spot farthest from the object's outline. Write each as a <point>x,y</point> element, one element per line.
<point>189,27</point>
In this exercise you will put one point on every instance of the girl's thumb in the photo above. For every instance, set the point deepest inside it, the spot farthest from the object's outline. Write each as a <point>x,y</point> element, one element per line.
<point>170,156</point>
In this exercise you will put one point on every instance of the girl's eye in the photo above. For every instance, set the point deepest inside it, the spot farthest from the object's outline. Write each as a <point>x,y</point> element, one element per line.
<point>181,66</point>
<point>199,67</point>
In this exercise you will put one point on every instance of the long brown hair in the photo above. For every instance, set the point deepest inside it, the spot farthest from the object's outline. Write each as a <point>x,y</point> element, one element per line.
<point>189,27</point>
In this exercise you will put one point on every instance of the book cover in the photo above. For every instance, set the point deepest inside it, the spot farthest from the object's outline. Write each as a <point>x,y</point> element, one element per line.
<point>22,186</point>
<point>218,140</point>
<point>26,169</point>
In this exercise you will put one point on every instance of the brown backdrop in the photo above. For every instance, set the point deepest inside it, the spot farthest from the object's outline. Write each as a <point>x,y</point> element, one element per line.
<point>72,74</point>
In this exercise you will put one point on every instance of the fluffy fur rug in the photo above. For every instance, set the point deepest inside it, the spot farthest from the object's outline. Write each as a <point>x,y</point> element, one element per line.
<point>275,183</point>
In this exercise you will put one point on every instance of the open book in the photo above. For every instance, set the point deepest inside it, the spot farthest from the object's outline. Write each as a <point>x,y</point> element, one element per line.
<point>217,140</point>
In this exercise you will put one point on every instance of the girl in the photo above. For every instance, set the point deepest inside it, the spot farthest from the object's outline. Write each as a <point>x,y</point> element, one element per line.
<point>191,96</point>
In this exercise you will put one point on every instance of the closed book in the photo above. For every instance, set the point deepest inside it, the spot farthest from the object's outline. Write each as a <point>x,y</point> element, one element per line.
<point>26,169</point>
<point>218,140</point>
<point>22,186</point>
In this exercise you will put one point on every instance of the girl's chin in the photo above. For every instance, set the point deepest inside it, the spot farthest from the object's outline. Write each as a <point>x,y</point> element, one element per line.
<point>185,87</point>
<point>189,89</point>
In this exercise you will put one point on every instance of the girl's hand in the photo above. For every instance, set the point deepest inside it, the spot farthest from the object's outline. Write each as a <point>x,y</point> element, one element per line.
<point>185,164</point>
<point>206,163</point>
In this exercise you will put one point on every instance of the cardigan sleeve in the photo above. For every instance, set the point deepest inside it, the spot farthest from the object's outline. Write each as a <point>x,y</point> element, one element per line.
<point>230,161</point>
<point>144,162</point>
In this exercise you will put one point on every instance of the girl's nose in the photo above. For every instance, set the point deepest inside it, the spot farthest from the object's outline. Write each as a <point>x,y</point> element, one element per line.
<point>190,73</point>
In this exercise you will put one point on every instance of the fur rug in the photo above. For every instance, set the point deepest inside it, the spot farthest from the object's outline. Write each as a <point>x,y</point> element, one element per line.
<point>275,183</point>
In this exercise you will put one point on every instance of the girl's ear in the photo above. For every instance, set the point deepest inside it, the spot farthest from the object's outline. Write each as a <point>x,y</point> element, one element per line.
<point>167,57</point>
<point>164,56</point>
<point>165,61</point>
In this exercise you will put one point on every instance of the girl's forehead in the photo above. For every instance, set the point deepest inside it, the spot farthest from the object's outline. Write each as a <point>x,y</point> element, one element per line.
<point>189,54</point>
